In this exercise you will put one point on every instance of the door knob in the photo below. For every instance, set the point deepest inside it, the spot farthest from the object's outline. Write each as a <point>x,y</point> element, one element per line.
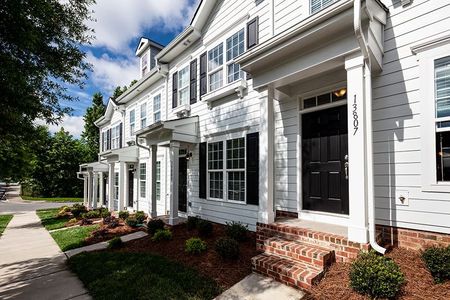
<point>346,166</point>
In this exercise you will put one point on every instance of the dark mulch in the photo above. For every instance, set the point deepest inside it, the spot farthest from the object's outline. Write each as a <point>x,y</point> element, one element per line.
<point>419,282</point>
<point>225,273</point>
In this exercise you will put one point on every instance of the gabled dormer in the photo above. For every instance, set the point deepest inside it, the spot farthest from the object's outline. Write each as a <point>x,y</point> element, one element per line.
<point>146,51</point>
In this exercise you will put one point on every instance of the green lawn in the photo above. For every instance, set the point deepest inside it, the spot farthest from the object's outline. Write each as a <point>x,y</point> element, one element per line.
<point>52,199</point>
<point>50,219</point>
<point>120,275</point>
<point>74,237</point>
<point>4,220</point>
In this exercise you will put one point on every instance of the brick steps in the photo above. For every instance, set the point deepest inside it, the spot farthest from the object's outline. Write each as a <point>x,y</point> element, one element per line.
<point>311,254</point>
<point>288,271</point>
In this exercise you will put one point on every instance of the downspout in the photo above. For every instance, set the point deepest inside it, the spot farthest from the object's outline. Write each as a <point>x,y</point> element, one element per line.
<point>369,135</point>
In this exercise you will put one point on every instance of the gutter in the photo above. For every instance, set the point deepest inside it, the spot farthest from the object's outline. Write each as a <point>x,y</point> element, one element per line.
<point>369,135</point>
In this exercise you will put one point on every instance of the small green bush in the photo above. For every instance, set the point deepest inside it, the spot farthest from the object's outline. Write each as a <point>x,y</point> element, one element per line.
<point>227,248</point>
<point>205,228</point>
<point>195,246</point>
<point>154,225</point>
<point>92,214</point>
<point>105,213</point>
<point>162,235</point>
<point>131,221</point>
<point>140,217</point>
<point>192,222</point>
<point>77,210</point>
<point>376,275</point>
<point>237,231</point>
<point>64,211</point>
<point>123,214</point>
<point>437,260</point>
<point>115,243</point>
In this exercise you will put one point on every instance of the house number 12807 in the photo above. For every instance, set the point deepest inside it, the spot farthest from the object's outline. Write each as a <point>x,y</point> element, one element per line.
<point>355,117</point>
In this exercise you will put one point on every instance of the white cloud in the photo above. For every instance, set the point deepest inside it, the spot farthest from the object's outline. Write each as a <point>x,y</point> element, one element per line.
<point>73,124</point>
<point>118,21</point>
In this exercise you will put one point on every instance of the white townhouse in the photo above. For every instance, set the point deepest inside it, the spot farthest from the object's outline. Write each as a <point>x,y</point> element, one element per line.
<point>318,122</point>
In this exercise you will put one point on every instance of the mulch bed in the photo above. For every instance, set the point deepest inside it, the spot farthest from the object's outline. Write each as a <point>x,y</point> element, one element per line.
<point>104,233</point>
<point>225,273</point>
<point>419,282</point>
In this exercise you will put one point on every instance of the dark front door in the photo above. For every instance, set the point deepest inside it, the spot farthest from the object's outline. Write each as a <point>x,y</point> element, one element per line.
<point>324,157</point>
<point>182,184</point>
<point>130,188</point>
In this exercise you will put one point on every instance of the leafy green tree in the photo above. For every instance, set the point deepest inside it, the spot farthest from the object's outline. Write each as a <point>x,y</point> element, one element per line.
<point>91,135</point>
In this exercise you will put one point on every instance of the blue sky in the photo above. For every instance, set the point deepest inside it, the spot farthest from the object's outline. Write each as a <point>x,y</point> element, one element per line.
<point>119,26</point>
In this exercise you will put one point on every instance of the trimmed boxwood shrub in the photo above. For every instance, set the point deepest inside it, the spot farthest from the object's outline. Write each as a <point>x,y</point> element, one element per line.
<point>205,228</point>
<point>104,213</point>
<point>162,235</point>
<point>77,210</point>
<point>376,275</point>
<point>437,260</point>
<point>115,243</point>
<point>227,248</point>
<point>236,231</point>
<point>92,214</point>
<point>123,214</point>
<point>192,222</point>
<point>195,246</point>
<point>131,221</point>
<point>140,217</point>
<point>154,225</point>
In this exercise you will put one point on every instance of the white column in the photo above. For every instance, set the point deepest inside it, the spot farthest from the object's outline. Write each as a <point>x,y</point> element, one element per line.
<point>266,158</point>
<point>174,153</point>
<point>123,191</point>
<point>101,188</point>
<point>357,229</point>
<point>95,191</point>
<point>111,187</point>
<point>85,190</point>
<point>89,193</point>
<point>153,157</point>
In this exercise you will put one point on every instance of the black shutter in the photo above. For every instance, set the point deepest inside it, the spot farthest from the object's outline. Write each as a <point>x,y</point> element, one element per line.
<point>120,135</point>
<point>203,73</point>
<point>175,90</point>
<point>202,175</point>
<point>252,33</point>
<point>108,139</point>
<point>253,168</point>
<point>193,84</point>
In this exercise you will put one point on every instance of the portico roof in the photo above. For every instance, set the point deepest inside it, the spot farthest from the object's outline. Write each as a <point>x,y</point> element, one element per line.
<point>126,154</point>
<point>93,167</point>
<point>181,130</point>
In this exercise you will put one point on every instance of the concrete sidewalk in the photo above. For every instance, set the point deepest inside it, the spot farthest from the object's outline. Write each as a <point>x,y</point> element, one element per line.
<point>32,265</point>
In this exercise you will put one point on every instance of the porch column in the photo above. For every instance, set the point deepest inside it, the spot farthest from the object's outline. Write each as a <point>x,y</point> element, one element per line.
<point>174,153</point>
<point>266,213</point>
<point>85,190</point>
<point>89,190</point>
<point>101,188</point>
<point>95,191</point>
<point>111,187</point>
<point>357,229</point>
<point>153,157</point>
<point>123,176</point>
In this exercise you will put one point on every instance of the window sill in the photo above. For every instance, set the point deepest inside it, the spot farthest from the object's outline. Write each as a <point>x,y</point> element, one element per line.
<point>443,187</point>
<point>181,109</point>
<point>227,201</point>
<point>236,87</point>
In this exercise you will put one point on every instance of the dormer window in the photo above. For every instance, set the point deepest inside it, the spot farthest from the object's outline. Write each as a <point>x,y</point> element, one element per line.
<point>144,64</point>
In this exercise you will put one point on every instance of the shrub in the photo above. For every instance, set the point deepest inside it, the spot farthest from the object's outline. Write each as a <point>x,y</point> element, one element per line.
<point>154,225</point>
<point>204,227</point>
<point>376,275</point>
<point>71,222</point>
<point>86,221</point>
<point>195,246</point>
<point>123,214</point>
<point>131,221</point>
<point>227,248</point>
<point>105,213</point>
<point>140,217</point>
<point>64,211</point>
<point>115,243</point>
<point>192,222</point>
<point>237,231</point>
<point>92,214</point>
<point>437,260</point>
<point>111,222</point>
<point>77,210</point>
<point>162,235</point>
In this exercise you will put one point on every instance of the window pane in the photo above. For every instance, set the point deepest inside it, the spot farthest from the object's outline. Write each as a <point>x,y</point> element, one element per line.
<point>215,80</point>
<point>157,117</point>
<point>443,156</point>
<point>308,103</point>
<point>442,83</point>
<point>215,57</point>
<point>236,186</point>
<point>317,5</point>
<point>236,154</point>
<point>324,99</point>
<point>142,178</point>
<point>216,185</point>
<point>215,156</point>
<point>158,180</point>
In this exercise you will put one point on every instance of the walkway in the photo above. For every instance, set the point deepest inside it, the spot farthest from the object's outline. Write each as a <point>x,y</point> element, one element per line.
<point>32,265</point>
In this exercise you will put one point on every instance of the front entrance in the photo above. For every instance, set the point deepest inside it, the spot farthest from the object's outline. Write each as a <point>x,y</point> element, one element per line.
<point>182,184</point>
<point>324,160</point>
<point>130,187</point>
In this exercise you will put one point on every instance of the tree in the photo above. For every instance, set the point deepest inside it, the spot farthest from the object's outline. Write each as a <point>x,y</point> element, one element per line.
<point>91,135</point>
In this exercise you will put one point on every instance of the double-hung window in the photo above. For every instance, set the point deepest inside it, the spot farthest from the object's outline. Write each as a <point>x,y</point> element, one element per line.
<point>144,64</point>
<point>132,121</point>
<point>215,67</point>
<point>157,108</point>
<point>235,47</point>
<point>442,118</point>
<point>318,5</point>
<point>143,115</point>
<point>116,186</point>
<point>115,137</point>
<point>215,170</point>
<point>183,86</point>
<point>105,140</point>
<point>142,179</point>
<point>158,180</point>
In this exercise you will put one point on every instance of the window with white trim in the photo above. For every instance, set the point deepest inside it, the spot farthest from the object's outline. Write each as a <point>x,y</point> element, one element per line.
<point>158,180</point>
<point>115,137</point>
<point>318,5</point>
<point>183,86</point>
<point>143,115</point>
<point>226,170</point>
<point>105,140</point>
<point>235,47</point>
<point>442,117</point>
<point>116,186</point>
<point>144,64</point>
<point>142,179</point>
<point>215,67</point>
<point>132,121</point>
<point>157,108</point>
